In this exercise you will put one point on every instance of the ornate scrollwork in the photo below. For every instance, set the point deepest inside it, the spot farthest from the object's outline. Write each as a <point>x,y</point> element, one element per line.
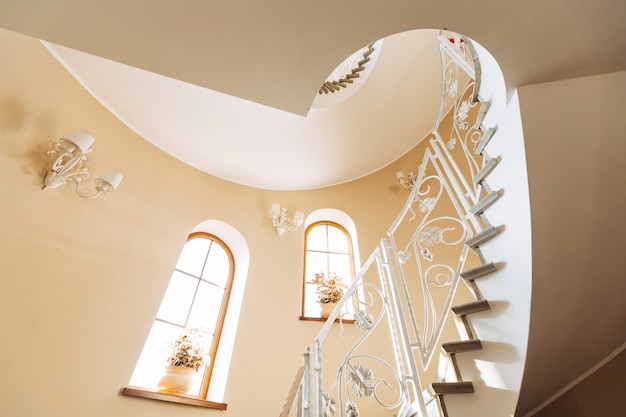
<point>422,260</point>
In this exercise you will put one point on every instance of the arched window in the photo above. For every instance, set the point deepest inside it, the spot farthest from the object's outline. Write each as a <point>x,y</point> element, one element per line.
<point>328,250</point>
<point>196,298</point>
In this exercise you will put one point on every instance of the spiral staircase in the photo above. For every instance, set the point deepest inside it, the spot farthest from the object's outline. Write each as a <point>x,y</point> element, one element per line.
<point>421,286</point>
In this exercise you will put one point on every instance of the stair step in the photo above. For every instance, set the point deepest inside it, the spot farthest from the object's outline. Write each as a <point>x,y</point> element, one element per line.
<point>482,237</point>
<point>489,166</point>
<point>444,388</point>
<point>484,107</point>
<point>481,271</point>
<point>462,346</point>
<point>485,202</point>
<point>482,143</point>
<point>473,307</point>
<point>369,51</point>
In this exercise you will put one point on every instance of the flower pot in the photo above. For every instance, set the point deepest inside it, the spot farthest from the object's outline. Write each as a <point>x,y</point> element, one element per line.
<point>176,380</point>
<point>326,309</point>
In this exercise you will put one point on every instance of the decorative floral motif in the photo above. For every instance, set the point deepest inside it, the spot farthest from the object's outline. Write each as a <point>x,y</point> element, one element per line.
<point>351,409</point>
<point>464,109</point>
<point>403,256</point>
<point>363,320</point>
<point>453,89</point>
<point>426,254</point>
<point>428,204</point>
<point>451,143</point>
<point>464,126</point>
<point>361,377</point>
<point>431,235</point>
<point>328,406</point>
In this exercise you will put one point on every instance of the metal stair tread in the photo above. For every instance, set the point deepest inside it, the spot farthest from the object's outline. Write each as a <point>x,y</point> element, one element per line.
<point>462,346</point>
<point>480,271</point>
<point>473,307</point>
<point>445,388</point>
<point>482,237</point>
<point>485,203</point>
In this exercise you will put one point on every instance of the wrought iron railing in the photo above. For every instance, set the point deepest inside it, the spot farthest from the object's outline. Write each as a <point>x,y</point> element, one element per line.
<point>405,289</point>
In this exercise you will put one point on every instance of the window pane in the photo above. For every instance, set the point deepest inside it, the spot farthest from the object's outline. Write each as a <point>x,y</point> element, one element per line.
<point>316,238</point>
<point>206,307</point>
<point>152,361</point>
<point>315,262</point>
<point>337,240</point>
<point>197,379</point>
<point>311,306</point>
<point>178,298</point>
<point>192,258</point>
<point>217,269</point>
<point>340,265</point>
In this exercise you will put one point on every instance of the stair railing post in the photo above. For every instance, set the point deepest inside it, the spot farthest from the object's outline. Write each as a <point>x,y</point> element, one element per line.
<point>304,408</point>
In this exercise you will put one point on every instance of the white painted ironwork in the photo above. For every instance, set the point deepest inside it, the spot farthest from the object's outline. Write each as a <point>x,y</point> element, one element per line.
<point>405,290</point>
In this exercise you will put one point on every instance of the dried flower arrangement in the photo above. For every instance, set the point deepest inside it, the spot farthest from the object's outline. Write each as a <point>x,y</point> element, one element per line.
<point>188,350</point>
<point>329,290</point>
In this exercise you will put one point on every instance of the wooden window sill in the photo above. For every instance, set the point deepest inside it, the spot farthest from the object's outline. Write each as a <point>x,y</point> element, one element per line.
<point>305,318</point>
<point>179,399</point>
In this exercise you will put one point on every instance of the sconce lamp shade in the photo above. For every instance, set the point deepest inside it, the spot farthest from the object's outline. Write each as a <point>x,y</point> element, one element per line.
<point>111,177</point>
<point>299,218</point>
<point>82,139</point>
<point>275,210</point>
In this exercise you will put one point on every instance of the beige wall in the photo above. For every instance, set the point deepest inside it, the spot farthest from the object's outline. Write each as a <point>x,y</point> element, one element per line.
<point>82,279</point>
<point>602,394</point>
<point>575,148</point>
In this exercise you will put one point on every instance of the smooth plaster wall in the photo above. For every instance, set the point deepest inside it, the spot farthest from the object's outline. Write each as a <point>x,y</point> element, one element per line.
<point>82,279</point>
<point>575,171</point>
<point>601,394</point>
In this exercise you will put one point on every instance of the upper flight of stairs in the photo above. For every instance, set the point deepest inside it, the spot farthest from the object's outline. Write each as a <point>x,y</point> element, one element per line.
<point>463,312</point>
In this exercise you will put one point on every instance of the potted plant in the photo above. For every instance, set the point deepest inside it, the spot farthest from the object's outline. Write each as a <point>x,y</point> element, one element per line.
<point>186,355</point>
<point>329,291</point>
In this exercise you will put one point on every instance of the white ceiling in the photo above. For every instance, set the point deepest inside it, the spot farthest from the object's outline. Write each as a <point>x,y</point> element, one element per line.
<point>278,53</point>
<point>260,146</point>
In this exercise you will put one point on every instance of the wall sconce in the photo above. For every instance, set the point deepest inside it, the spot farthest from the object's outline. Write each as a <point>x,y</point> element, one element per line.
<point>406,182</point>
<point>69,166</point>
<point>281,222</point>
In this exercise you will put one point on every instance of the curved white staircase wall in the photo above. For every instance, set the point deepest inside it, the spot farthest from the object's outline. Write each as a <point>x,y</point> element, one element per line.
<point>497,370</point>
